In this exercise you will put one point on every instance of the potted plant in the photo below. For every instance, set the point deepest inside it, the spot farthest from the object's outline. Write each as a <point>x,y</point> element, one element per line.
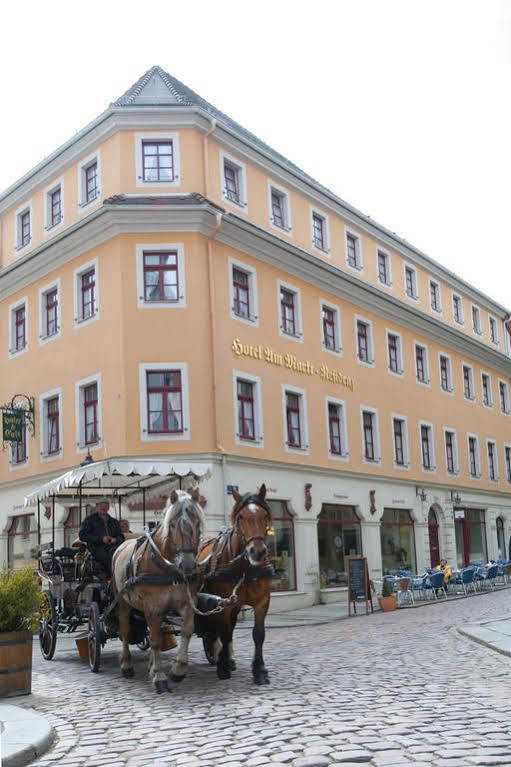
<point>20,602</point>
<point>387,600</point>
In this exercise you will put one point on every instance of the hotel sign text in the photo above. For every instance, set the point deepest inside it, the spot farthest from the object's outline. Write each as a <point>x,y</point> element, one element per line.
<point>290,362</point>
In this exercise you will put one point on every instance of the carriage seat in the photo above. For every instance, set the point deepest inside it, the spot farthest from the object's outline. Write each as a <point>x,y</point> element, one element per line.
<point>65,552</point>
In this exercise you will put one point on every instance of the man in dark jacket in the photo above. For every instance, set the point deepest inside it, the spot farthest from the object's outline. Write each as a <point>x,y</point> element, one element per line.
<point>102,534</point>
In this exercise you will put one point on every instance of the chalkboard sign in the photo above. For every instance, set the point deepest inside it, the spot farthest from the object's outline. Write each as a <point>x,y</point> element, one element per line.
<point>359,587</point>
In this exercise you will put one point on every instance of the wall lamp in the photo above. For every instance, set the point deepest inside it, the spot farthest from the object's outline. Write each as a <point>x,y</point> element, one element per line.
<point>422,494</point>
<point>455,497</point>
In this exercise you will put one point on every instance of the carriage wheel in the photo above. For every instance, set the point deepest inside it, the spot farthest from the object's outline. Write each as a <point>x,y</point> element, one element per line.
<point>48,625</point>
<point>94,637</point>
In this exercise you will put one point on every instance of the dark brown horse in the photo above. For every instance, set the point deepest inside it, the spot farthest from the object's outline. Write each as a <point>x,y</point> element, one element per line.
<point>238,557</point>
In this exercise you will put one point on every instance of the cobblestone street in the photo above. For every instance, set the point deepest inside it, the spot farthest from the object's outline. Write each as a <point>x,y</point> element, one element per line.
<point>395,688</point>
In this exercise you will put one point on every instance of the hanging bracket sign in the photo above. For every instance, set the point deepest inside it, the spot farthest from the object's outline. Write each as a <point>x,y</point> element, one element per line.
<point>16,414</point>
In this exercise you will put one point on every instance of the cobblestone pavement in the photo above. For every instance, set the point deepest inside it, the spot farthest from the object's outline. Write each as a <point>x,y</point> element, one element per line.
<point>400,688</point>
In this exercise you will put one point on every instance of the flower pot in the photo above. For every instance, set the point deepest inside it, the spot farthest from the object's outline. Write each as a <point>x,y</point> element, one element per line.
<point>15,663</point>
<point>388,603</point>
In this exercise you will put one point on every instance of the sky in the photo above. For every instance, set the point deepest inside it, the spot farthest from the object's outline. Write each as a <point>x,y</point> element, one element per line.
<point>400,107</point>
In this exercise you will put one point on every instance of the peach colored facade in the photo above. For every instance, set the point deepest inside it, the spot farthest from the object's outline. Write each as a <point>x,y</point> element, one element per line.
<point>214,346</point>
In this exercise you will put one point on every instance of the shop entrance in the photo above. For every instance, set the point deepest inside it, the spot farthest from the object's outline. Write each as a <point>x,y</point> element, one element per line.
<point>338,538</point>
<point>470,537</point>
<point>434,544</point>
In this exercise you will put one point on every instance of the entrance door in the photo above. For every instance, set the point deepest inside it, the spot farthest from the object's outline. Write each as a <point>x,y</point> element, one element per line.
<point>470,536</point>
<point>434,545</point>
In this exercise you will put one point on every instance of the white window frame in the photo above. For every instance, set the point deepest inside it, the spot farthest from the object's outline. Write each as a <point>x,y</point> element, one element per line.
<point>456,456</point>
<point>258,442</point>
<point>439,294</point>
<point>158,247</point>
<point>370,341</point>
<point>12,327</point>
<point>507,411</point>
<point>462,315</point>
<point>388,259</point>
<point>143,369</point>
<point>43,292</point>
<point>242,179</point>
<point>139,165</point>
<point>475,437</point>
<point>26,207</point>
<point>376,435</point>
<point>478,310</point>
<point>79,322</point>
<point>326,250</point>
<point>288,227</point>
<point>400,372</point>
<point>304,430</point>
<point>472,381</point>
<point>490,390</point>
<point>80,385</point>
<point>492,441</point>
<point>493,319</point>
<point>253,319</point>
<point>82,167</point>
<point>358,249</point>
<point>338,351</point>
<point>298,311</point>
<point>13,466</point>
<point>506,335</point>
<point>427,372</point>
<point>48,228</point>
<point>345,455</point>
<point>450,389</point>
<point>432,447</point>
<point>406,448</point>
<point>43,428</point>
<point>506,445</point>
<point>406,266</point>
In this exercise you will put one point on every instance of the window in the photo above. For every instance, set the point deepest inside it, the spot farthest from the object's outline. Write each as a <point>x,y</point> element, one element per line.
<point>421,364</point>
<point>161,277</point>
<point>18,450</point>
<point>281,547</point>
<point>90,413</point>
<point>22,542</point>
<point>233,181</point>
<point>473,457</point>
<point>279,208</point>
<point>20,336</point>
<point>451,451</point>
<point>86,296</point>
<point>492,461</point>
<point>247,409</point>
<point>338,538</point>
<point>397,541</point>
<point>504,397</point>
<point>487,390</point>
<point>289,310</point>
<point>426,435</point>
<point>494,335</point>
<point>88,180</point>
<point>54,205</point>
<point>507,453</point>
<point>370,435</point>
<point>457,309</point>
<point>243,292</point>
<point>470,537</point>
<point>23,232</point>
<point>394,352</point>
<point>246,414</point>
<point>293,419</point>
<point>411,282</point>
<point>319,232</point>
<point>476,320</point>
<point>88,285</point>
<point>337,440</point>
<point>330,328</point>
<point>353,251</point>
<point>445,373</point>
<point>383,267</point>
<point>51,312</point>
<point>164,402</point>
<point>157,161</point>
<point>53,425</point>
<point>434,291</point>
<point>364,342</point>
<point>468,382</point>
<point>400,441</point>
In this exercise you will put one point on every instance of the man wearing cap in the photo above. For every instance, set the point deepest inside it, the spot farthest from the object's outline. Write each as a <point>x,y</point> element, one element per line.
<point>102,534</point>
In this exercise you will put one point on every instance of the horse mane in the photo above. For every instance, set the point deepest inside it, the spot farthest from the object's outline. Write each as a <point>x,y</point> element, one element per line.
<point>245,500</point>
<point>180,508</point>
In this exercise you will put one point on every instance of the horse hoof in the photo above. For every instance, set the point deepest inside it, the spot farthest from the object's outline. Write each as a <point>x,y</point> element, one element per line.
<point>161,686</point>
<point>232,665</point>
<point>223,673</point>
<point>176,677</point>
<point>128,673</point>
<point>261,678</point>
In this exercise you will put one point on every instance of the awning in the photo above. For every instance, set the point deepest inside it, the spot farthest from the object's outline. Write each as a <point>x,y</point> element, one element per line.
<point>118,477</point>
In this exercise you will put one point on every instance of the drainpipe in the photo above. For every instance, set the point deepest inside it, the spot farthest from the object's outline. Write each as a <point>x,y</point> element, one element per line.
<point>206,159</point>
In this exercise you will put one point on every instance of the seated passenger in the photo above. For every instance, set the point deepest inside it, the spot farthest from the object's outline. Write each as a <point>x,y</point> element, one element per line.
<point>102,534</point>
<point>125,530</point>
<point>446,570</point>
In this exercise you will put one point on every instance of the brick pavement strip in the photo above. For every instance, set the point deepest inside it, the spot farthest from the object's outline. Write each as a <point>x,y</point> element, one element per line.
<point>371,690</point>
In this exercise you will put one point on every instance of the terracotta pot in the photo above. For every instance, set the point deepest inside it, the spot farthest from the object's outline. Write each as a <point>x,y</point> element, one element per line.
<point>388,603</point>
<point>15,663</point>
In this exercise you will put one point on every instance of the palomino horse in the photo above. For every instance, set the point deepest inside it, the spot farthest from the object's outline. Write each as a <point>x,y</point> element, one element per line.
<point>151,575</point>
<point>238,556</point>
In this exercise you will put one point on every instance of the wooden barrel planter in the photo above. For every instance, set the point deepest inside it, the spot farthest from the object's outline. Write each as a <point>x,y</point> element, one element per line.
<point>15,663</point>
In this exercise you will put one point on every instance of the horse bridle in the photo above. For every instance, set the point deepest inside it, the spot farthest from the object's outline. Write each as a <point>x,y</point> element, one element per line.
<point>245,501</point>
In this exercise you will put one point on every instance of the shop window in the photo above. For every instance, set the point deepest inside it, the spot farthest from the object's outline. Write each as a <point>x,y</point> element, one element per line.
<point>470,537</point>
<point>338,538</point>
<point>501,540</point>
<point>281,547</point>
<point>434,544</point>
<point>22,542</point>
<point>397,541</point>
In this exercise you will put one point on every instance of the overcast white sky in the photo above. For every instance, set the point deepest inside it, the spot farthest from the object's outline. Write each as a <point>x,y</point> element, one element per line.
<point>401,107</point>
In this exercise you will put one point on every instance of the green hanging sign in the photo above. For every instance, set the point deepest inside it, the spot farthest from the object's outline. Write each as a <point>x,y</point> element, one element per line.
<point>12,425</point>
<point>16,415</point>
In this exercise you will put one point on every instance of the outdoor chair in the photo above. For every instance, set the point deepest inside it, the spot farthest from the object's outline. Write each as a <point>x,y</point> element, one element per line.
<point>492,574</point>
<point>436,581</point>
<point>467,580</point>
<point>418,585</point>
<point>404,593</point>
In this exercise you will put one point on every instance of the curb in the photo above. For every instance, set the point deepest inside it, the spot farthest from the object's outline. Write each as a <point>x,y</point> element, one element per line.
<point>491,642</point>
<point>16,751</point>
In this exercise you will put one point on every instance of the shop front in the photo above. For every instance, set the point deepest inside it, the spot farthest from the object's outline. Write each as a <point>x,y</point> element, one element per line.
<point>22,541</point>
<point>397,541</point>
<point>338,538</point>
<point>281,547</point>
<point>470,536</point>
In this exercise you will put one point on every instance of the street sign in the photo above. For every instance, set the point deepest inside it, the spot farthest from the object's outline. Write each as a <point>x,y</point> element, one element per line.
<point>12,425</point>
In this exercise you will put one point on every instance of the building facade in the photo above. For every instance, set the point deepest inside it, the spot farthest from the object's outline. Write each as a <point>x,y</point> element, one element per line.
<point>171,286</point>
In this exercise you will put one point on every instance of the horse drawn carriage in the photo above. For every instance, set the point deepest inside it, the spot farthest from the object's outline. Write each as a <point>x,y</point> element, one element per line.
<point>169,577</point>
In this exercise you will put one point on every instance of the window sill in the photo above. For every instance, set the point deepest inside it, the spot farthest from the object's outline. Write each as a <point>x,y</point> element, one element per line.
<point>238,203</point>
<point>429,470</point>
<point>437,311</point>
<point>286,229</point>
<point>325,251</point>
<point>44,339</point>
<point>369,363</point>
<point>19,248</point>
<point>412,297</point>
<point>402,466</point>
<point>84,203</point>
<point>331,351</point>
<point>47,457</point>
<point>447,391</point>
<point>338,456</point>
<point>82,321</point>
<point>17,352</point>
<point>385,284</point>
<point>469,399</point>
<point>50,227</point>
<point>356,267</point>
<point>425,382</point>
<point>372,460</point>
<point>252,319</point>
